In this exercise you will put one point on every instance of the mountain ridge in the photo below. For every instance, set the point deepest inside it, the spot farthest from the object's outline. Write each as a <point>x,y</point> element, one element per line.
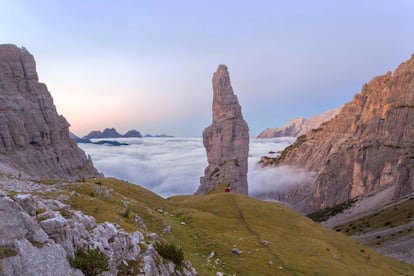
<point>299,125</point>
<point>366,147</point>
<point>111,133</point>
<point>46,221</point>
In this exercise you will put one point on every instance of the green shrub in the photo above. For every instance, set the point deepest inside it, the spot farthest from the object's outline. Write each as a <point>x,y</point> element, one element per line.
<point>328,212</point>
<point>125,213</point>
<point>6,252</point>
<point>171,252</point>
<point>49,181</point>
<point>92,262</point>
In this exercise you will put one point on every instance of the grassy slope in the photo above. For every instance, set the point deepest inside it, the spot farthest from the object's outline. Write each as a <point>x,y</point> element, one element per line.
<point>220,221</point>
<point>393,216</point>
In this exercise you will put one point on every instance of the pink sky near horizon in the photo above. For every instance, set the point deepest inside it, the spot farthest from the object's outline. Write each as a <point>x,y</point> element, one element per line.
<point>147,65</point>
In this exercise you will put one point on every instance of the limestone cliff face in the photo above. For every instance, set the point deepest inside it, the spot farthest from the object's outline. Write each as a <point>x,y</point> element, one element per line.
<point>368,146</point>
<point>299,126</point>
<point>34,139</point>
<point>226,140</point>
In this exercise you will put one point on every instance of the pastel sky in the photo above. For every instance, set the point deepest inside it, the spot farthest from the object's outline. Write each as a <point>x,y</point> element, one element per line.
<point>147,65</point>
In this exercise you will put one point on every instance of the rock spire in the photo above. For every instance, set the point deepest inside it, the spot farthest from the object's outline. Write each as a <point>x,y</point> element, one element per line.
<point>226,140</point>
<point>34,139</point>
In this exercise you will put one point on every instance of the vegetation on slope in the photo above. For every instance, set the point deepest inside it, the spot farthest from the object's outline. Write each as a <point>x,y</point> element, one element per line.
<point>232,233</point>
<point>397,218</point>
<point>326,213</point>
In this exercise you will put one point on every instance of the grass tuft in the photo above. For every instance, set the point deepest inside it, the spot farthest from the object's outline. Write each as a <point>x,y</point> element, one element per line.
<point>171,252</point>
<point>6,252</point>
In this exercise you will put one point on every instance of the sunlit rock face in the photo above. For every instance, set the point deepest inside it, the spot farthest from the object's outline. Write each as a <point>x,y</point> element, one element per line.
<point>34,139</point>
<point>367,147</point>
<point>226,140</point>
<point>299,125</point>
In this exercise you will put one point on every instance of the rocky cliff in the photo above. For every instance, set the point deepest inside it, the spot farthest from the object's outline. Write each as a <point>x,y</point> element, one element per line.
<point>226,140</point>
<point>299,125</point>
<point>40,235</point>
<point>367,147</point>
<point>34,139</point>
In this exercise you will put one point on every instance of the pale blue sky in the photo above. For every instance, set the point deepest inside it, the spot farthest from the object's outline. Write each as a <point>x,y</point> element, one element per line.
<point>148,64</point>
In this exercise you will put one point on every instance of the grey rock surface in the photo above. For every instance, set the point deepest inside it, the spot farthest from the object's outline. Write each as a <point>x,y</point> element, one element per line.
<point>226,140</point>
<point>34,139</point>
<point>16,224</point>
<point>49,260</point>
<point>44,241</point>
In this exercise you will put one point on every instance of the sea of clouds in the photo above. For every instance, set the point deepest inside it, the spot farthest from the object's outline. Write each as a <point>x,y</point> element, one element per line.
<point>172,166</point>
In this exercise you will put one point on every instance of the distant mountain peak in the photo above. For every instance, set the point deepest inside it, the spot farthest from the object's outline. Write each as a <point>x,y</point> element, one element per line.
<point>133,133</point>
<point>111,133</point>
<point>299,125</point>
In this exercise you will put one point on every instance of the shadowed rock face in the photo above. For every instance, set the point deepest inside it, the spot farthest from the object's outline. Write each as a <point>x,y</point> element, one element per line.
<point>226,140</point>
<point>34,139</point>
<point>367,147</point>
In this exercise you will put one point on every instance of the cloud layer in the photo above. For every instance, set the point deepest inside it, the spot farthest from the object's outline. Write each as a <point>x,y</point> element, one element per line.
<point>172,166</point>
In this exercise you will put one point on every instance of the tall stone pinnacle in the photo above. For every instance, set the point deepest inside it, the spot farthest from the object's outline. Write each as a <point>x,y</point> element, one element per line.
<point>226,140</point>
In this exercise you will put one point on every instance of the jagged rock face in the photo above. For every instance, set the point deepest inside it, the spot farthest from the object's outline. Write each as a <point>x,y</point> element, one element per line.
<point>43,241</point>
<point>226,140</point>
<point>34,139</point>
<point>367,147</point>
<point>299,126</point>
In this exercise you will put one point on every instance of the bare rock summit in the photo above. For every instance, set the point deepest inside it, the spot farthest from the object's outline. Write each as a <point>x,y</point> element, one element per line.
<point>34,139</point>
<point>226,140</point>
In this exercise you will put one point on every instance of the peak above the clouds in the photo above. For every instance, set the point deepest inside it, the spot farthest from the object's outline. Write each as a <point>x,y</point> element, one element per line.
<point>112,133</point>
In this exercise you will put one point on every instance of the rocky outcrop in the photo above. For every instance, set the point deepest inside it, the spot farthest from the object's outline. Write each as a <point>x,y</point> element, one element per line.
<point>299,126</point>
<point>40,236</point>
<point>34,139</point>
<point>111,133</point>
<point>367,147</point>
<point>226,140</point>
